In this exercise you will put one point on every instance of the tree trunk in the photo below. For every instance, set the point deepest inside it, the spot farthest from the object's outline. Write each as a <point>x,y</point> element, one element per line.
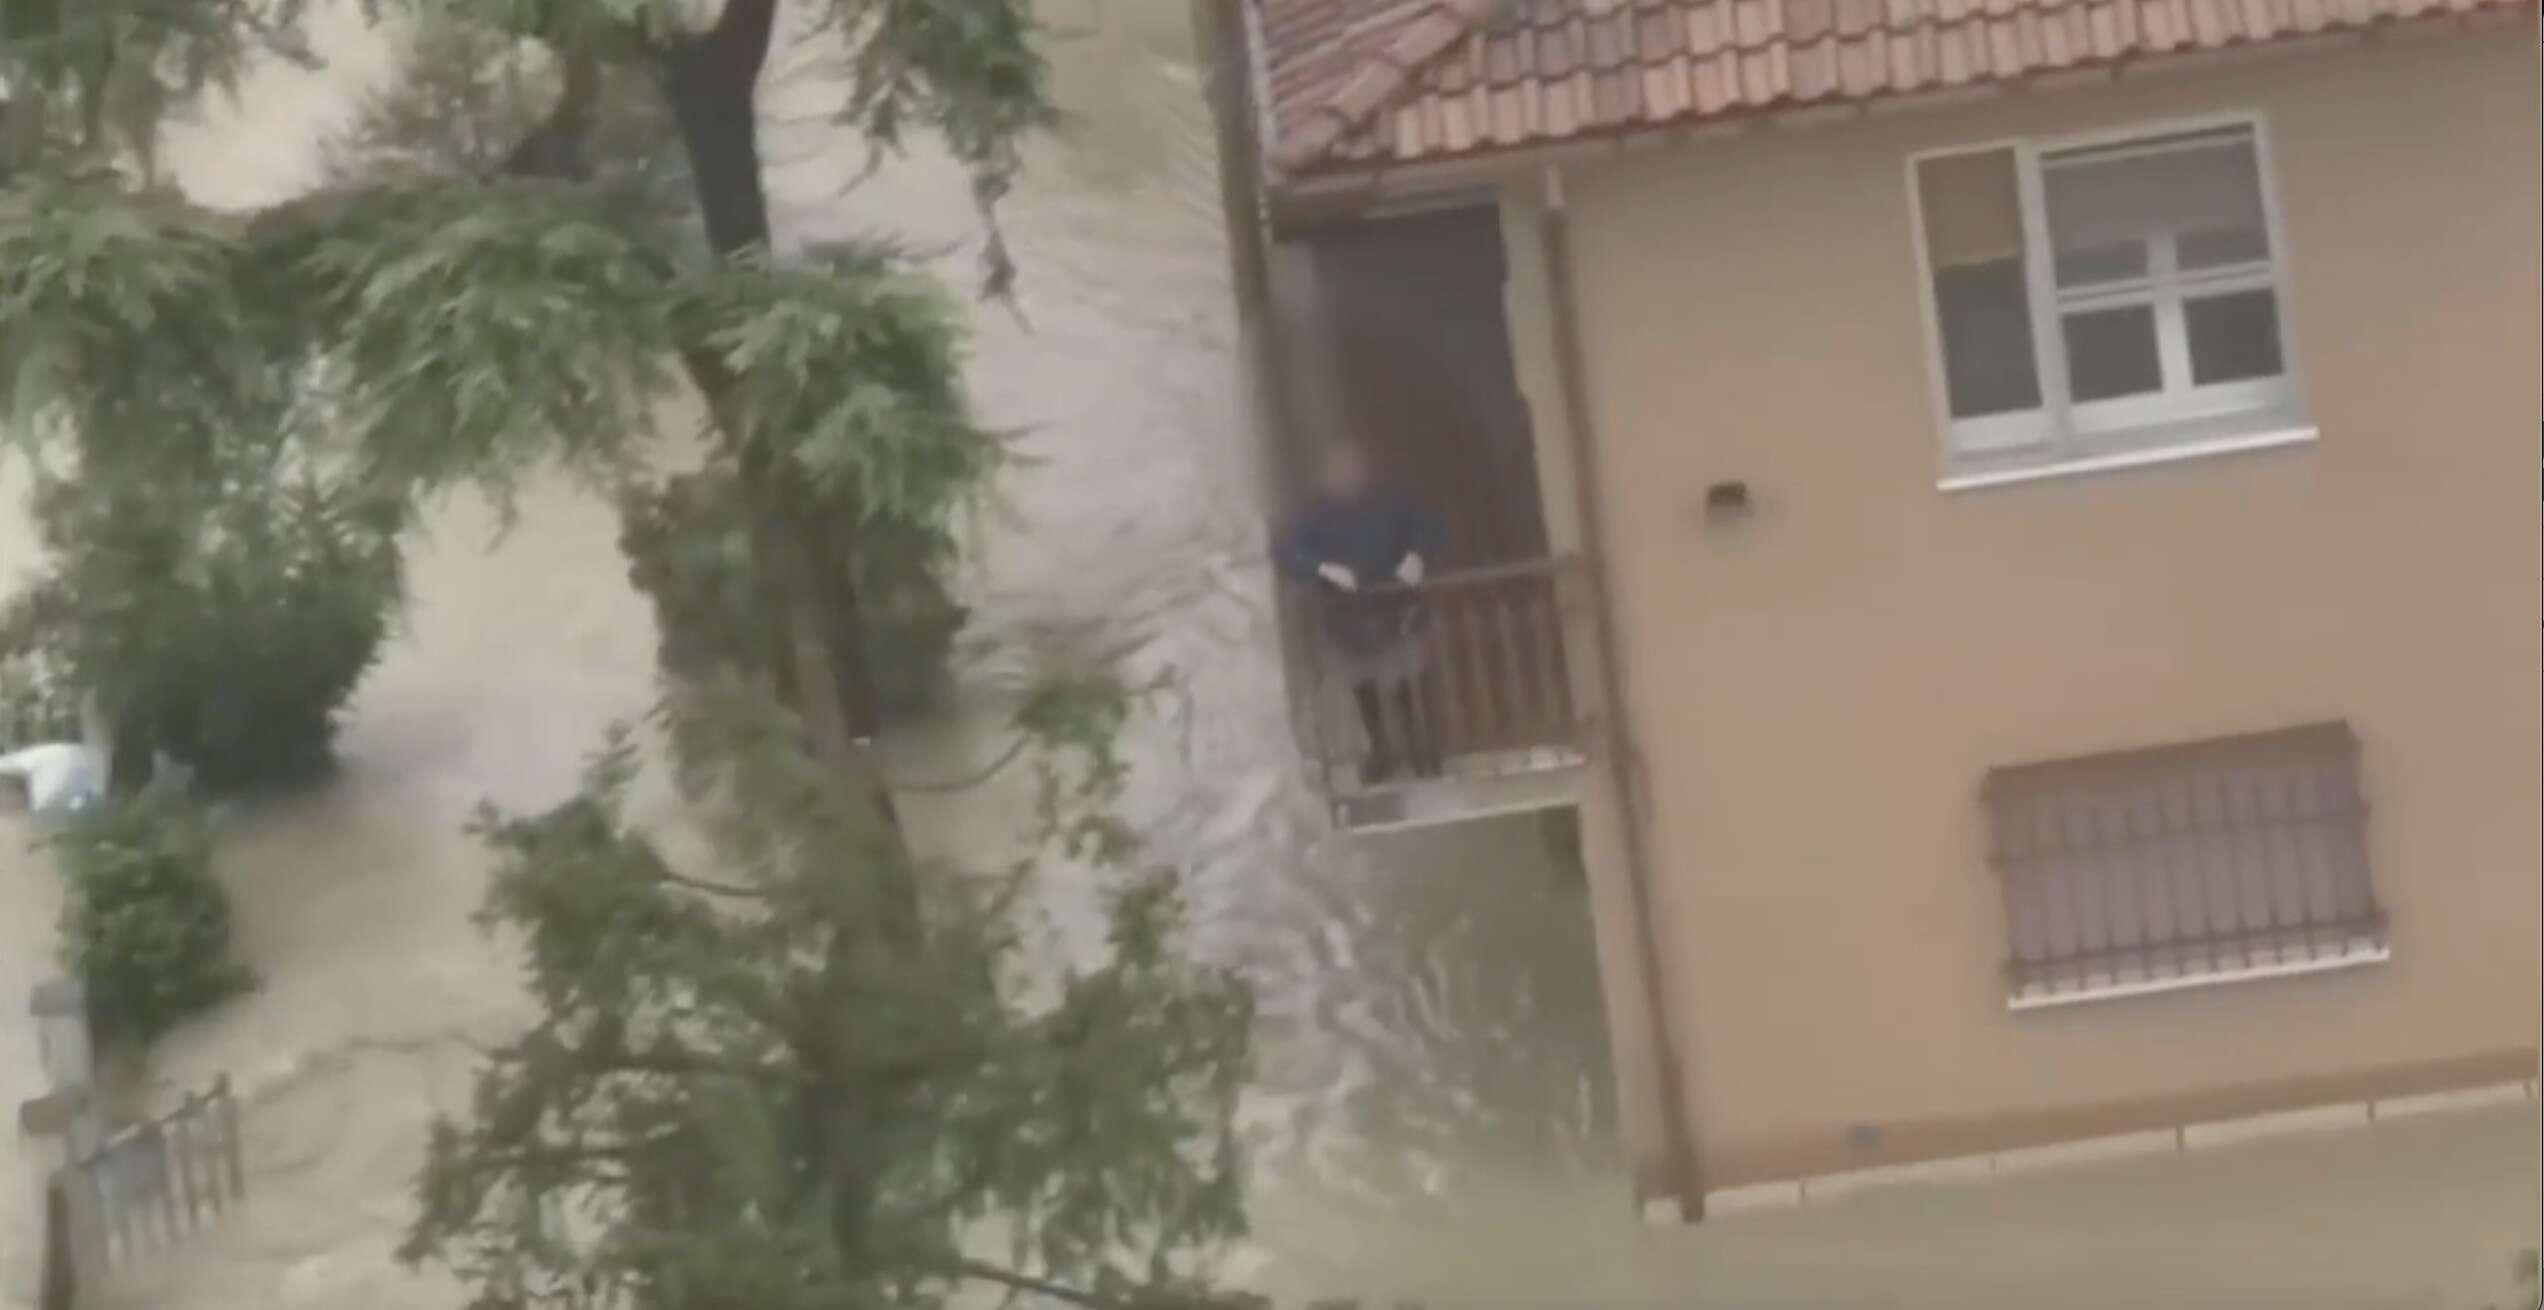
<point>711,82</point>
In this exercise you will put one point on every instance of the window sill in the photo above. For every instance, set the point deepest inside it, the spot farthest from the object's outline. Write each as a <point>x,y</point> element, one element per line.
<point>2130,459</point>
<point>2357,957</point>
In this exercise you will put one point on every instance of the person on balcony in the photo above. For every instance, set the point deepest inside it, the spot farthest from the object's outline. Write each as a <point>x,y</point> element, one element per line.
<point>1362,545</point>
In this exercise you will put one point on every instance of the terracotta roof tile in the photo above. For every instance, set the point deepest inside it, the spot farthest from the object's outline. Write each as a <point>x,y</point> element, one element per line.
<point>1362,82</point>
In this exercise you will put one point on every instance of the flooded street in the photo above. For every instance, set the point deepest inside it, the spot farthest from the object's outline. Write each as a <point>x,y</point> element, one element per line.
<point>1435,1119</point>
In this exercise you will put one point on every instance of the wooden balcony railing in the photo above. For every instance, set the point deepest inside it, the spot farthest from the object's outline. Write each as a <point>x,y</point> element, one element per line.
<point>1474,684</point>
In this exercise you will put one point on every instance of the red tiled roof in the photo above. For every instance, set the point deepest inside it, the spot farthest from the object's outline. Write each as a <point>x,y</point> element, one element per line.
<point>1366,83</point>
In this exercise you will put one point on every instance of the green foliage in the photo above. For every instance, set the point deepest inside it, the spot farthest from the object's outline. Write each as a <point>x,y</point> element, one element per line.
<point>687,540</point>
<point>798,1071</point>
<point>469,331</point>
<point>98,76</point>
<point>466,96</point>
<point>845,367</point>
<point>226,630</point>
<point>967,72</point>
<point>1080,713</point>
<point>146,929</point>
<point>36,703</point>
<point>427,322</point>
<point>217,579</point>
<point>842,379</point>
<point>133,330</point>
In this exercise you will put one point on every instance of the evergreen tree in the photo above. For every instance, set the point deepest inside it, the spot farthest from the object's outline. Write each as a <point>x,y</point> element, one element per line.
<point>469,323</point>
<point>216,584</point>
<point>799,1070</point>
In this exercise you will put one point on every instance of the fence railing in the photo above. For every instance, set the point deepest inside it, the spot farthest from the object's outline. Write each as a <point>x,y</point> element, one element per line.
<point>1463,674</point>
<point>150,1185</point>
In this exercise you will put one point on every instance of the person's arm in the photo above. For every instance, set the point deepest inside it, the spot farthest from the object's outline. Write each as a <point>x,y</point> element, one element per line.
<point>1304,556</point>
<point>1297,555</point>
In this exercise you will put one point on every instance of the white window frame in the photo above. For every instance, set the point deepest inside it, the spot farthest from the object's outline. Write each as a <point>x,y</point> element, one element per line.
<point>2063,436</point>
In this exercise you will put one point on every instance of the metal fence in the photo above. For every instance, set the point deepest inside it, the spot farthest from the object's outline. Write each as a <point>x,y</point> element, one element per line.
<point>149,1185</point>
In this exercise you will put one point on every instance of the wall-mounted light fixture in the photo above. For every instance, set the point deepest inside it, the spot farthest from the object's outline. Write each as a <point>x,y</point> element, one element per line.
<point>1727,500</point>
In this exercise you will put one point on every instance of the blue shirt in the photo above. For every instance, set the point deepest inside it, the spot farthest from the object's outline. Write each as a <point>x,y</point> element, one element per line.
<point>1371,535</point>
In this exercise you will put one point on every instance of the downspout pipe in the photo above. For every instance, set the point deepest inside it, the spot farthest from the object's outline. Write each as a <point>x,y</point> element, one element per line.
<point>1221,30</point>
<point>1684,1178</point>
<point>1223,36</point>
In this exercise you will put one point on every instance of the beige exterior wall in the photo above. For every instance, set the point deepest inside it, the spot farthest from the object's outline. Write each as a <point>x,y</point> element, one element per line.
<point>1614,914</point>
<point>1819,688</point>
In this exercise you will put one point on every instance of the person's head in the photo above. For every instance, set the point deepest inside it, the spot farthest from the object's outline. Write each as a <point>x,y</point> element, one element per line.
<point>1343,471</point>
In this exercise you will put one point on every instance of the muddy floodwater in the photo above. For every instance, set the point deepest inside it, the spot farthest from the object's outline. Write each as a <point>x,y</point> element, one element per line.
<point>1434,1120</point>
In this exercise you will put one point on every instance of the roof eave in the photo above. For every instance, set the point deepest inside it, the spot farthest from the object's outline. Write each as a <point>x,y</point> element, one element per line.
<point>1306,187</point>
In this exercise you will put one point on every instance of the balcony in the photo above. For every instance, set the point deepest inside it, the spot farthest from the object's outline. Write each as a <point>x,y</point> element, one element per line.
<point>1480,696</point>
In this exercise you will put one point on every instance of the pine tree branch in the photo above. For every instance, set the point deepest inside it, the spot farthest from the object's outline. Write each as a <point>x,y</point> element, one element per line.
<point>982,1271</point>
<point>968,781</point>
<point>607,1053</point>
<point>531,1157</point>
<point>556,148</point>
<point>684,1065</point>
<point>712,888</point>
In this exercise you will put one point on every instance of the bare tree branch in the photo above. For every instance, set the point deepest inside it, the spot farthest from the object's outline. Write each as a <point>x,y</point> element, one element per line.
<point>982,1271</point>
<point>712,888</point>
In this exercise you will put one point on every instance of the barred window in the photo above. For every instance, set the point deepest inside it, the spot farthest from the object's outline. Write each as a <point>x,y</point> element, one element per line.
<point>2172,867</point>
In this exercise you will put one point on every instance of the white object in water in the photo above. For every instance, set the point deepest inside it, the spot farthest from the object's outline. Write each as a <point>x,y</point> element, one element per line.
<point>61,777</point>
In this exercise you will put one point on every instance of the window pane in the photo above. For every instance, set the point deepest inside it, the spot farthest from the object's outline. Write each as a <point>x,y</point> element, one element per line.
<point>2120,263</point>
<point>1974,243</point>
<point>2116,195</point>
<point>2233,337</point>
<point>2221,247</point>
<point>1987,339</point>
<point>2112,353</point>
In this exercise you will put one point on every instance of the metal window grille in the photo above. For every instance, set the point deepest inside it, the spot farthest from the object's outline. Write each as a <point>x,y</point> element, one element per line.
<point>2152,869</point>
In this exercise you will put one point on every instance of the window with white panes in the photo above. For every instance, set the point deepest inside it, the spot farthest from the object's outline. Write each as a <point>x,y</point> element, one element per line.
<point>2107,297</point>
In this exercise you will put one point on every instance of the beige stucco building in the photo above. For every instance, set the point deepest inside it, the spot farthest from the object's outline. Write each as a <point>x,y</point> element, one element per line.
<point>2035,501</point>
